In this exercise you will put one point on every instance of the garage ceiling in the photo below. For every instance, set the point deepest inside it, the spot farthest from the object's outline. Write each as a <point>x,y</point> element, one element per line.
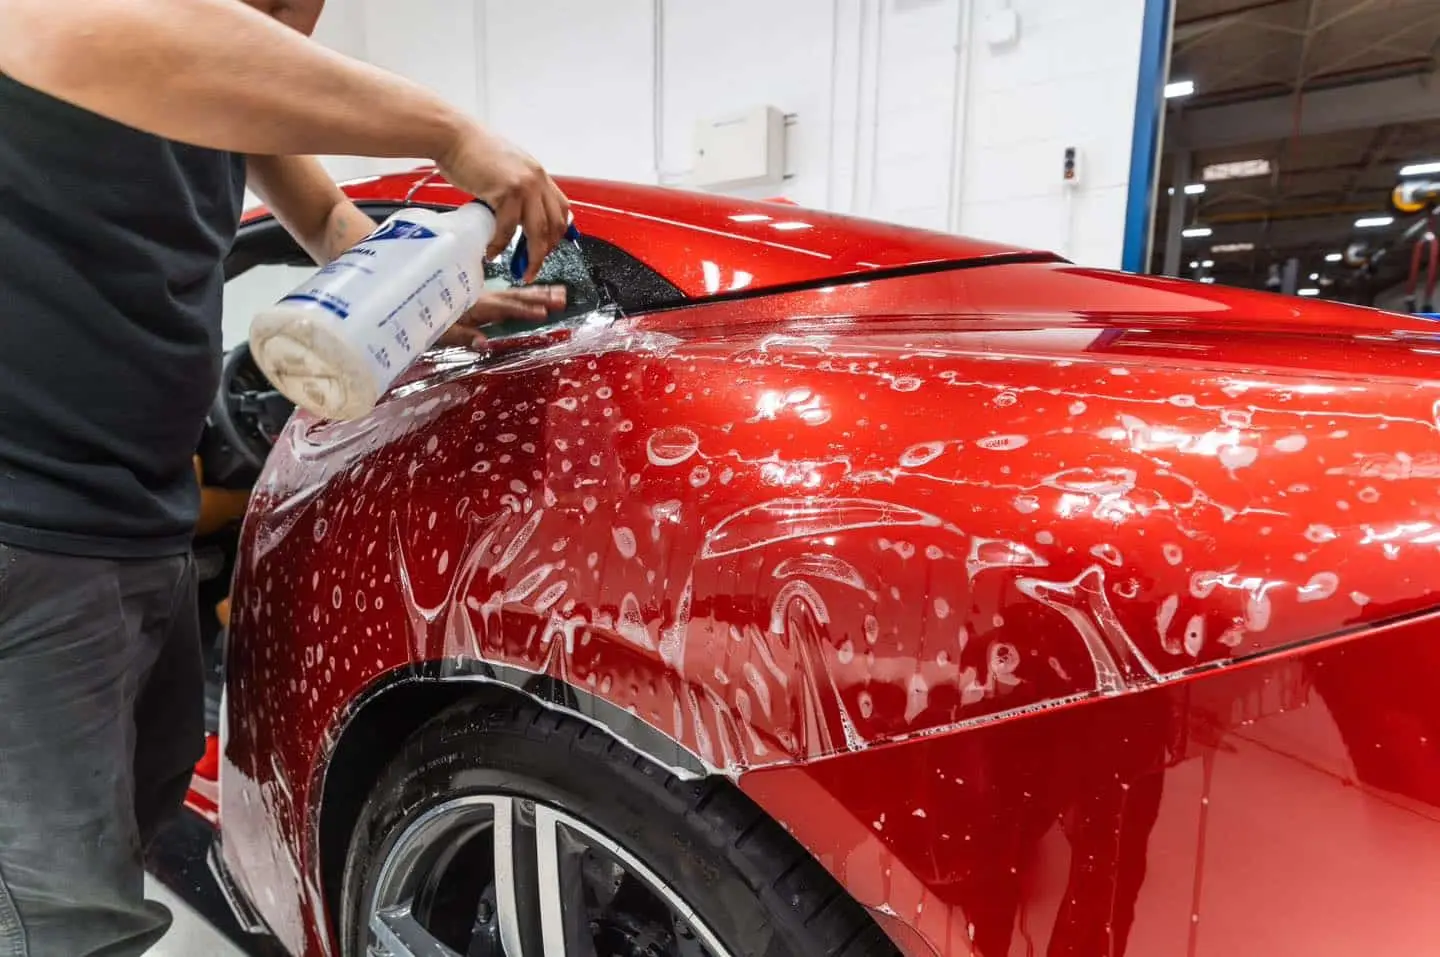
<point>1335,94</point>
<point>1237,50</point>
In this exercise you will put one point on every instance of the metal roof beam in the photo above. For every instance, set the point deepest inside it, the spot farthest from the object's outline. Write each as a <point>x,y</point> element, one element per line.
<point>1334,232</point>
<point>1410,29</point>
<point>1195,31</point>
<point>1227,15</point>
<point>1359,106</point>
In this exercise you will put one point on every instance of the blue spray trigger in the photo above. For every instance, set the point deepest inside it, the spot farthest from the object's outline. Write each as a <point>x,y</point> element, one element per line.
<point>520,262</point>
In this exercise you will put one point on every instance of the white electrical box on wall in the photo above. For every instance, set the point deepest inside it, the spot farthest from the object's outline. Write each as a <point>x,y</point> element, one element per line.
<point>741,149</point>
<point>1002,27</point>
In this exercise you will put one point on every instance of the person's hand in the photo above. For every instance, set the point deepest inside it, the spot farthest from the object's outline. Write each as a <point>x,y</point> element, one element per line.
<point>517,189</point>
<point>534,303</point>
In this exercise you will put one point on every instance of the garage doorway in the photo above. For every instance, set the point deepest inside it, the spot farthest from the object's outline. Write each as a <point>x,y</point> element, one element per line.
<point>1288,126</point>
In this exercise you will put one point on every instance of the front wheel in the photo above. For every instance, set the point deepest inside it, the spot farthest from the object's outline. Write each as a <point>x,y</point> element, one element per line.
<point>517,831</point>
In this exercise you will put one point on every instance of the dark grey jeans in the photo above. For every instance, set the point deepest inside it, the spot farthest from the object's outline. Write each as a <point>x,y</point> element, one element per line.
<point>101,721</point>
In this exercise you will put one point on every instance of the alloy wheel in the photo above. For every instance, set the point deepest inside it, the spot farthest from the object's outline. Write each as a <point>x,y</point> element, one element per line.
<point>503,876</point>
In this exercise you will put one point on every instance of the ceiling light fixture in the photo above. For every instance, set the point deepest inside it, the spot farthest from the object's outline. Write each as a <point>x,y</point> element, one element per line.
<point>1179,88</point>
<point>1373,222</point>
<point>1194,189</point>
<point>1197,232</point>
<point>1307,292</point>
<point>1209,264</point>
<point>1233,248</point>
<point>1334,257</point>
<point>1420,169</point>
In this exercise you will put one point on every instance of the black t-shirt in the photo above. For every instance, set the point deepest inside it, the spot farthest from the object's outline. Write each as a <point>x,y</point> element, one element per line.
<point>111,250</point>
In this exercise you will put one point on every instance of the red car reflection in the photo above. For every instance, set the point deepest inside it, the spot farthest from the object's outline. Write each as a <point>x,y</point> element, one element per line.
<point>816,586</point>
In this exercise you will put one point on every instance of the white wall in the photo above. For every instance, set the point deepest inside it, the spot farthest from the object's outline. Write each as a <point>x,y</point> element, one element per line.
<point>901,108</point>
<point>1070,81</point>
<point>342,27</point>
<point>572,82</point>
<point>721,57</point>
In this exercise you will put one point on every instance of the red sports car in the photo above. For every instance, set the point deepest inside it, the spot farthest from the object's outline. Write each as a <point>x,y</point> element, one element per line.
<point>815,586</point>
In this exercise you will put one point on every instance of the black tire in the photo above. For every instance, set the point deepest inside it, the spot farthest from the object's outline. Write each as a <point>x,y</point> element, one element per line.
<point>756,888</point>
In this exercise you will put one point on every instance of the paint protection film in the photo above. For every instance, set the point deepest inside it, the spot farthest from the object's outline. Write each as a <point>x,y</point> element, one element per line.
<point>782,548</point>
<point>741,547</point>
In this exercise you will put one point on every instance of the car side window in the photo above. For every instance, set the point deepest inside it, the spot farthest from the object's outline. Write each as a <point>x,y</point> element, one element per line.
<point>595,273</point>
<point>566,266</point>
<point>628,283</point>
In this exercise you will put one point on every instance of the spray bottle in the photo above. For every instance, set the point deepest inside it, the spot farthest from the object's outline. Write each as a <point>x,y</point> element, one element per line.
<point>336,343</point>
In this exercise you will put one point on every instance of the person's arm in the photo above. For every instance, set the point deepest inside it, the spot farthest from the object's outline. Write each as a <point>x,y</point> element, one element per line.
<point>323,220</point>
<point>300,194</point>
<point>220,74</point>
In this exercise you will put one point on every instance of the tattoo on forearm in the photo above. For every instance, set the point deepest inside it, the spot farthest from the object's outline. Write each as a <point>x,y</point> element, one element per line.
<point>348,225</point>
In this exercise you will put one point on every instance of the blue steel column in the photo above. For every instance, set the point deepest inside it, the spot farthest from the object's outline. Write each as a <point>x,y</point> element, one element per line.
<point>1149,125</point>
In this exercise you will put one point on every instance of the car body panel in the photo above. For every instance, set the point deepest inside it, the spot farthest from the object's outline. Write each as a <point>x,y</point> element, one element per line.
<point>1271,808</point>
<point>944,523</point>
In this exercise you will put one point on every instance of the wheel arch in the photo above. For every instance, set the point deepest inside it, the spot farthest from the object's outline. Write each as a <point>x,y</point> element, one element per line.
<point>377,723</point>
<point>398,703</point>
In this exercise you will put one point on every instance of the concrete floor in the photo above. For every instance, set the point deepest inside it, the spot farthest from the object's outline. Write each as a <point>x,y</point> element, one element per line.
<point>189,936</point>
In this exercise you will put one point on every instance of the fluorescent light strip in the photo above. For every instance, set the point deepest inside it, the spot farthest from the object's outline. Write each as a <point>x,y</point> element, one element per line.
<point>1179,88</point>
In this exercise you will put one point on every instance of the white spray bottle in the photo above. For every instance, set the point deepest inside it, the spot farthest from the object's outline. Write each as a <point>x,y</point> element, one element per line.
<point>336,343</point>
